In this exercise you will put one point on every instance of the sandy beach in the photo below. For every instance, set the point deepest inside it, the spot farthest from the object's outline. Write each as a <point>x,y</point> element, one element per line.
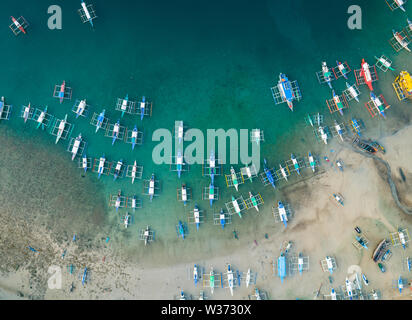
<point>318,227</point>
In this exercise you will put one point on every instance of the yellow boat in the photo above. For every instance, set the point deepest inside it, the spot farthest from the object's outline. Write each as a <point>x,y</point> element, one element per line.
<point>403,86</point>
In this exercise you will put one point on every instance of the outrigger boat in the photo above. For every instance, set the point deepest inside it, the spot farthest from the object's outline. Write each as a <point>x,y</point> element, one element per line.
<point>312,161</point>
<point>195,275</point>
<point>326,74</point>
<point>134,136</point>
<point>84,162</point>
<point>409,24</point>
<point>295,163</point>
<point>80,108</point>
<point>361,242</point>
<point>329,264</point>
<point>282,213</point>
<point>116,129</point>
<point>342,69</point>
<point>333,294</point>
<point>236,207</point>
<point>101,165</point>
<point>254,202</point>
<point>384,63</point>
<point>100,120</point>
<point>196,215</point>
<point>400,284</point>
<point>212,165</point>
<point>123,108</point>
<point>248,278</point>
<point>211,193</point>
<point>323,134</point>
<point>269,174</point>
<point>127,219</point>
<point>285,89</point>
<point>401,40</point>
<point>179,163</point>
<point>134,202</point>
<point>61,92</point>
<point>117,169</point>
<point>352,92</point>
<point>349,288</point>
<point>142,107</point>
<point>282,170</point>
<point>184,194</point>
<point>339,130</point>
<point>212,280</point>
<point>118,200</point>
<point>26,112</point>
<point>338,198</point>
<point>151,190</point>
<point>365,72</point>
<point>181,230</point>
<point>134,170</point>
<point>148,236</point>
<point>18,25</point>
<point>87,13</point>
<point>400,4</point>
<point>230,278</point>
<point>234,178</point>
<point>61,128</point>
<point>338,103</point>
<point>365,280</point>
<point>222,218</point>
<point>182,295</point>
<point>409,263</point>
<point>300,263</point>
<point>378,104</point>
<point>40,119</point>
<point>356,126</point>
<point>180,132</point>
<point>76,146</point>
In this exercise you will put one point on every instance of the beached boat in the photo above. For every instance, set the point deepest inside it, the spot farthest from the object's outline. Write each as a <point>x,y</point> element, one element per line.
<point>326,74</point>
<point>182,295</point>
<point>26,112</point>
<point>257,294</point>
<point>268,174</point>
<point>349,291</point>
<point>378,104</point>
<point>184,194</point>
<point>100,120</point>
<point>380,250</point>
<point>116,129</point>
<point>230,278</point>
<point>342,69</point>
<point>366,73</point>
<point>248,278</point>
<point>282,213</point>
<point>311,161</point>
<point>254,201</point>
<point>339,130</point>
<point>179,163</point>
<point>361,242</point>
<point>340,165</point>
<point>285,90</point>
<point>196,215</point>
<point>134,170</point>
<point>295,163</point>
<point>323,135</point>
<point>222,218</point>
<point>365,280</point>
<point>142,107</point>
<point>401,40</point>
<point>84,162</point>
<point>195,275</point>
<point>76,146</point>
<point>300,263</point>
<point>338,103</point>
<point>134,137</point>
<point>236,207</point>
<point>329,264</point>
<point>60,131</point>
<point>400,284</point>
<point>151,189</point>
<point>282,266</point>
<point>333,294</point>
<point>41,118</point>
<point>352,92</point>
<point>101,165</point>
<point>282,170</point>
<point>338,198</point>
<point>234,178</point>
<point>18,25</point>
<point>117,169</point>
<point>409,263</point>
<point>80,108</point>
<point>212,280</point>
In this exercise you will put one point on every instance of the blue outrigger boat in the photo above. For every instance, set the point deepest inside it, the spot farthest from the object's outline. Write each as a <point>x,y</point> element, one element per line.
<point>179,163</point>
<point>181,230</point>
<point>142,107</point>
<point>2,106</point>
<point>84,278</point>
<point>282,266</point>
<point>212,168</point>
<point>100,120</point>
<point>268,174</point>
<point>286,91</point>
<point>195,275</point>
<point>222,218</point>
<point>134,137</point>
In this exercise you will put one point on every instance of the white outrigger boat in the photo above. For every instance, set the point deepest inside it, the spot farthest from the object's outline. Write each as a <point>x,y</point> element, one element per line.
<point>352,92</point>
<point>401,40</point>
<point>254,201</point>
<point>26,113</point>
<point>134,170</point>
<point>151,188</point>
<point>230,279</point>
<point>80,108</point>
<point>295,163</point>
<point>40,119</point>
<point>135,133</point>
<point>180,131</point>
<point>61,128</point>
<point>212,280</point>
<point>118,200</point>
<point>195,275</point>
<point>349,288</point>
<point>327,74</point>
<point>234,178</point>
<point>184,194</point>
<point>101,165</point>
<point>146,235</point>
<point>196,215</point>
<point>126,220</point>
<point>300,263</point>
<point>84,162</point>
<point>339,130</point>
<point>236,207</point>
<point>323,135</point>
<point>282,170</point>
<point>76,146</point>
<point>329,264</point>
<point>282,213</point>
<point>117,169</point>
<point>333,294</point>
<point>116,130</point>
<point>212,165</point>
<point>311,161</point>
<point>123,107</point>
<point>248,278</point>
<point>365,280</point>
<point>179,163</point>
<point>142,107</point>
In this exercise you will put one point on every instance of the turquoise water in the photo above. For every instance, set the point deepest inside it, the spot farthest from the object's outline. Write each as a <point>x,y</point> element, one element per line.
<point>209,64</point>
